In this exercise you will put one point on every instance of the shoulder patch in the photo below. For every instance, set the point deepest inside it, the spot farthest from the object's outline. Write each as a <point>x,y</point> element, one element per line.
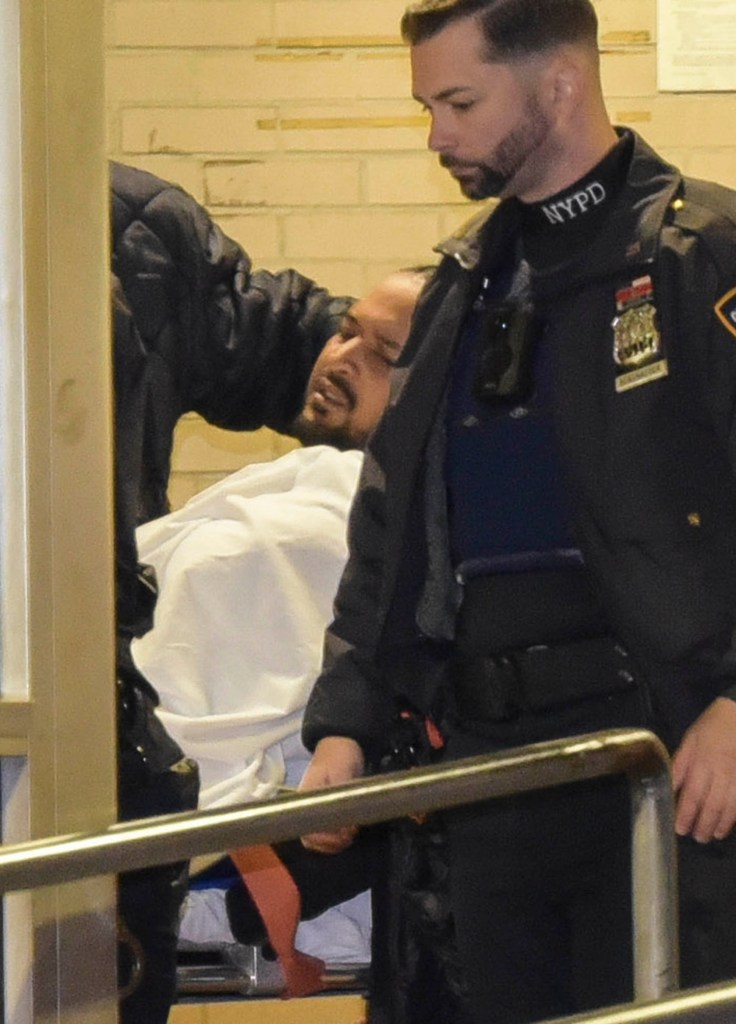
<point>725,310</point>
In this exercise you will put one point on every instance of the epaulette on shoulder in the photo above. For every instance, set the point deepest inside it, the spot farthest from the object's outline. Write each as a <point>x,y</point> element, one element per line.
<point>700,203</point>
<point>707,210</point>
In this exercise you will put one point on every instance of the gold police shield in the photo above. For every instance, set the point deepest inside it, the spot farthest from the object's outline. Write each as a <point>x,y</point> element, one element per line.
<point>637,347</point>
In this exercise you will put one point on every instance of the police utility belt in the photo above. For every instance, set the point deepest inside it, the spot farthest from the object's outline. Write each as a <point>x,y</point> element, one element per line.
<point>532,642</point>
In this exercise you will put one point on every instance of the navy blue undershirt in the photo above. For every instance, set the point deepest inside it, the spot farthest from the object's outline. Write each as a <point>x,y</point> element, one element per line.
<point>508,506</point>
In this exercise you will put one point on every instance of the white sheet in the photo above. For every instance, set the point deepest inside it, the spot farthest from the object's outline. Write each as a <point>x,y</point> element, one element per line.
<point>341,935</point>
<point>247,573</point>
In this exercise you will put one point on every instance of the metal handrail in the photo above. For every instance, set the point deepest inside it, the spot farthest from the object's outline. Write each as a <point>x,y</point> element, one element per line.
<point>707,1005</point>
<point>635,753</point>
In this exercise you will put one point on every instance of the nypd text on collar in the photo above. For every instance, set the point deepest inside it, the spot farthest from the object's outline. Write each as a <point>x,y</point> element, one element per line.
<point>576,204</point>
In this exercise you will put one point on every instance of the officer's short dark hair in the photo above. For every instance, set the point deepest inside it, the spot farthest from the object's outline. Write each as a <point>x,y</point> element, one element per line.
<point>512,28</point>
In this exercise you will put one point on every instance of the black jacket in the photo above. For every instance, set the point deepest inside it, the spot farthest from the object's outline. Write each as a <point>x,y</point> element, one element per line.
<point>650,469</point>
<point>196,329</point>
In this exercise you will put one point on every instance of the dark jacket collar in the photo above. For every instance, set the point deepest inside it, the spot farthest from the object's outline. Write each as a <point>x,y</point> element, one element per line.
<point>630,240</point>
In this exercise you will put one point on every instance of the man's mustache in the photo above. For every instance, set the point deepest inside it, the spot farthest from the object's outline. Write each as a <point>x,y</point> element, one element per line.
<point>337,380</point>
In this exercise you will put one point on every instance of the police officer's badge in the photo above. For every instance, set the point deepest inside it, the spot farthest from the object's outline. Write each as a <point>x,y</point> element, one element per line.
<point>637,344</point>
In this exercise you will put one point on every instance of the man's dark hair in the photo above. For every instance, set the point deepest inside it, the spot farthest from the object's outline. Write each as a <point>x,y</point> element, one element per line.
<point>512,28</point>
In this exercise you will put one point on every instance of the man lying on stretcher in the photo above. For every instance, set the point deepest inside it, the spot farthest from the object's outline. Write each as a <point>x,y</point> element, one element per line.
<point>247,571</point>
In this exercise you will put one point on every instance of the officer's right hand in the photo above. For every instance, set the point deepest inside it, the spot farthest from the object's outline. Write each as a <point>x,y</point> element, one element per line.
<point>336,760</point>
<point>704,774</point>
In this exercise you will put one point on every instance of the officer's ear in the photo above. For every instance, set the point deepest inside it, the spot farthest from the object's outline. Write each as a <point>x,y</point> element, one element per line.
<point>566,81</point>
<point>557,85</point>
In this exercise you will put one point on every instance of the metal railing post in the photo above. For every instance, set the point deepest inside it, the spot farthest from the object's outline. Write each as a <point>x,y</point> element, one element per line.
<point>654,884</point>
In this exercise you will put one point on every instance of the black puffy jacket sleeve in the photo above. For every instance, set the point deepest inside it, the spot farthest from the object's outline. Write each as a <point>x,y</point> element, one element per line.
<point>238,343</point>
<point>196,329</point>
<point>233,344</point>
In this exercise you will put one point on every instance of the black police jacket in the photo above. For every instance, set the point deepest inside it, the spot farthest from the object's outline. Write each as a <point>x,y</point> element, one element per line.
<point>645,421</point>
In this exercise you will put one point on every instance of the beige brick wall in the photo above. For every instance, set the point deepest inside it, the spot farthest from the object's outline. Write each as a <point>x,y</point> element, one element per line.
<point>291,121</point>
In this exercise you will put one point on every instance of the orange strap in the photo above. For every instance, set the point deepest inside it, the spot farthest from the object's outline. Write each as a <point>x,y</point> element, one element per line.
<point>278,901</point>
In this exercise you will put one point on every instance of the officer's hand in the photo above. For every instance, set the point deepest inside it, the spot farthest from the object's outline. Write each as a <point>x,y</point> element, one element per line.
<point>336,760</point>
<point>704,774</point>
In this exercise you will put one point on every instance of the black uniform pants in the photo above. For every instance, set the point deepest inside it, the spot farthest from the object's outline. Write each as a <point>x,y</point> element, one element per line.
<point>541,885</point>
<point>544,920</point>
<point>540,882</point>
<point>707,874</point>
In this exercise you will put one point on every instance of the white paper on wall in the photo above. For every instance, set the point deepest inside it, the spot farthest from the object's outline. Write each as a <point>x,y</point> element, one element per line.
<point>696,49</point>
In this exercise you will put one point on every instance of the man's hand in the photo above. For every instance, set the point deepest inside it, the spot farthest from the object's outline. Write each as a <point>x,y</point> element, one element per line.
<point>704,774</point>
<point>336,759</point>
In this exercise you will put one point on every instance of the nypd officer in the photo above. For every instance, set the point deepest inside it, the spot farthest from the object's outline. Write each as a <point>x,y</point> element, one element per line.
<point>544,540</point>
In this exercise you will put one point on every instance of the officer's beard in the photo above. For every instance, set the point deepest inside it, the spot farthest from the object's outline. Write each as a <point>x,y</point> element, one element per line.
<point>512,155</point>
<point>485,181</point>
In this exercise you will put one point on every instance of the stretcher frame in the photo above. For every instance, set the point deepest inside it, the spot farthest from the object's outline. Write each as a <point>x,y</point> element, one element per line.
<point>235,969</point>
